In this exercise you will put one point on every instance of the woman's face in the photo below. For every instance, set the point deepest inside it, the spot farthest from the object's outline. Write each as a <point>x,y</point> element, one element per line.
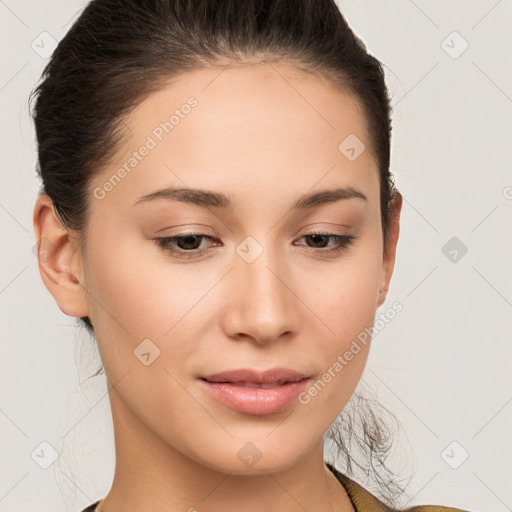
<point>261,293</point>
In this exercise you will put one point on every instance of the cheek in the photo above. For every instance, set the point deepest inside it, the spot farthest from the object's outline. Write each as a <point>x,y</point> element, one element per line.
<point>134,291</point>
<point>346,292</point>
<point>345,295</point>
<point>138,295</point>
<point>137,298</point>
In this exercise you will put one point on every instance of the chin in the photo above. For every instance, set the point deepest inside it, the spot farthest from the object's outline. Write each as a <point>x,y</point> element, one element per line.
<point>259,457</point>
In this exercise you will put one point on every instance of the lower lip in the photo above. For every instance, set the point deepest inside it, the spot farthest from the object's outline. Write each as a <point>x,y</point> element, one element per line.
<point>256,401</point>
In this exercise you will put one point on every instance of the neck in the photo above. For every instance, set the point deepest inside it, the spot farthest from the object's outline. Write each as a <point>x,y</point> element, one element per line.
<point>151,475</point>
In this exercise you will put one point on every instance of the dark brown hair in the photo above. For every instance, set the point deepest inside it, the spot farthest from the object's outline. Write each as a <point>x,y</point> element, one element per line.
<point>119,51</point>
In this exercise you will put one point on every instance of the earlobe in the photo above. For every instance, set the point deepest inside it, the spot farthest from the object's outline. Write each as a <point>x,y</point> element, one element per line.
<point>59,260</point>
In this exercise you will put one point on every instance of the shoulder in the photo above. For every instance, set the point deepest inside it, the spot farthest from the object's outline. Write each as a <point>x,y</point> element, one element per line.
<point>364,501</point>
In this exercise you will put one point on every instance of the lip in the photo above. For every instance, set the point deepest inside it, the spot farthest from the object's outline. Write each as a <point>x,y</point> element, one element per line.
<point>227,388</point>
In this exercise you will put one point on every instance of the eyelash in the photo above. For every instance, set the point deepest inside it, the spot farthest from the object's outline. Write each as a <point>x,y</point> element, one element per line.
<point>164,243</point>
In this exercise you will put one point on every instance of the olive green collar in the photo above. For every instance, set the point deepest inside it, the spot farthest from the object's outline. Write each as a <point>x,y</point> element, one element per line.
<point>362,500</point>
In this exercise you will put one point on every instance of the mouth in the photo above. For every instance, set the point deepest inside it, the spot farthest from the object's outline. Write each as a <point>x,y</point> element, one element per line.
<point>255,392</point>
<point>266,385</point>
<point>249,377</point>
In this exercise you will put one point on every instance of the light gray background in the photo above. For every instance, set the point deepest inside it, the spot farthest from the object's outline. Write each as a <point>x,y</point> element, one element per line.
<point>442,365</point>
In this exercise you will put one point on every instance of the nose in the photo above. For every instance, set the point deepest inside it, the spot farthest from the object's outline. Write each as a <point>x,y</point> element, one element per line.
<point>262,304</point>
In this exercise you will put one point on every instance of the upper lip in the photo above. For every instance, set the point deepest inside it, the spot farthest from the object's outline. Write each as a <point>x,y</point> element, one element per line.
<point>255,376</point>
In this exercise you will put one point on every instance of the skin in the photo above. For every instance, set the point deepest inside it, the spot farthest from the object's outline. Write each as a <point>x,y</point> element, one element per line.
<point>264,135</point>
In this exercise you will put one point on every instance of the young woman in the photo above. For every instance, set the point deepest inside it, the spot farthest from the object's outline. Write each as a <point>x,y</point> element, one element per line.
<point>217,208</point>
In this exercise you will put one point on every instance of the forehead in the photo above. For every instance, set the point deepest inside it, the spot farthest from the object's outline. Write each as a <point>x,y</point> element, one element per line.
<point>247,124</point>
<point>260,100</point>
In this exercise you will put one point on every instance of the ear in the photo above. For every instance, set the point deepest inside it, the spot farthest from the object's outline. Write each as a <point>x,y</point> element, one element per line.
<point>59,259</point>
<point>388,262</point>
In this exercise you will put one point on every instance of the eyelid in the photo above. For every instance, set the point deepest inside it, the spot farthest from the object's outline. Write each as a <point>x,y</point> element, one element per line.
<point>191,229</point>
<point>317,227</point>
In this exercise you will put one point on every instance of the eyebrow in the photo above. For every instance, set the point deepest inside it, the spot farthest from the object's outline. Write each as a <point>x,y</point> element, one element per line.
<point>209,199</point>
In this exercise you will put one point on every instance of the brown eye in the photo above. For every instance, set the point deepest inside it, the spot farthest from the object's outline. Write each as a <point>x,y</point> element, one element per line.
<point>186,246</point>
<point>320,241</point>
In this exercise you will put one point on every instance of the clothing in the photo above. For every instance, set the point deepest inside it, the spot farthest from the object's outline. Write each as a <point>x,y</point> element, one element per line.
<point>361,499</point>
